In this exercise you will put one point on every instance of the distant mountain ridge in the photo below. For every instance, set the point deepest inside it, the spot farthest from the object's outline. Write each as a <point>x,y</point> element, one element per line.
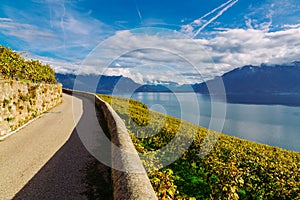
<point>276,79</point>
<point>115,84</point>
<point>96,83</point>
<point>265,84</point>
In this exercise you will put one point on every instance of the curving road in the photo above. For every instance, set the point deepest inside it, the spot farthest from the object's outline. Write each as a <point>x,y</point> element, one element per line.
<point>46,159</point>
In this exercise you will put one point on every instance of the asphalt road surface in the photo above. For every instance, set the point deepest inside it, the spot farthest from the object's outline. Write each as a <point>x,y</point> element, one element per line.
<point>47,160</point>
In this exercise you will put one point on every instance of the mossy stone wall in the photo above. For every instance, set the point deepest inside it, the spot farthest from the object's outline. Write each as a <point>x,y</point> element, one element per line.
<point>23,101</point>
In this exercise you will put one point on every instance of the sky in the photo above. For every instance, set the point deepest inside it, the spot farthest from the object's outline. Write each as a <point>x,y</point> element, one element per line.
<point>153,41</point>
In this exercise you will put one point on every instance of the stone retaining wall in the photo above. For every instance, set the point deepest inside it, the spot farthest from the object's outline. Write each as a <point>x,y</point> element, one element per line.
<point>130,180</point>
<point>22,101</point>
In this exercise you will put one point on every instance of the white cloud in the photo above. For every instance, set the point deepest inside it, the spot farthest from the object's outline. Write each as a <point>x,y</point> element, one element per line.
<point>168,58</point>
<point>194,28</point>
<point>239,47</point>
<point>271,15</point>
<point>148,56</point>
<point>65,33</point>
<point>60,66</point>
<point>26,32</point>
<point>118,65</point>
<point>264,24</point>
<point>5,19</point>
<point>220,13</point>
<point>291,26</point>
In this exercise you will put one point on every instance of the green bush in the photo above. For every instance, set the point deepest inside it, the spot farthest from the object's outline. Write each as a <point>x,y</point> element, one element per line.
<point>234,169</point>
<point>13,66</point>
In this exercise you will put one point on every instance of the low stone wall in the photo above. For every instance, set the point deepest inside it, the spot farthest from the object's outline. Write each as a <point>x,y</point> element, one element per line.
<point>130,180</point>
<point>22,101</point>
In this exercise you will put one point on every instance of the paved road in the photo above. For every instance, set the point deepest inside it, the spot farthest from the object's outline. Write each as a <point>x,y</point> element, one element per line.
<point>46,159</point>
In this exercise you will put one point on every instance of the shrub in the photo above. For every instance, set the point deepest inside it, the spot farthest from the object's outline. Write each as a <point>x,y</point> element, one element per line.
<point>13,66</point>
<point>234,169</point>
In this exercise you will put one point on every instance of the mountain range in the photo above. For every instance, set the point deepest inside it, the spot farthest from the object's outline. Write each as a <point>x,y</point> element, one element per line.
<point>97,84</point>
<point>115,84</point>
<point>264,84</point>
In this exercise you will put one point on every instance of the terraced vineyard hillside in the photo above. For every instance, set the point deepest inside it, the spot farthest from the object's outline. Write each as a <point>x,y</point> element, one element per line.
<point>234,169</point>
<point>27,89</point>
<point>13,66</point>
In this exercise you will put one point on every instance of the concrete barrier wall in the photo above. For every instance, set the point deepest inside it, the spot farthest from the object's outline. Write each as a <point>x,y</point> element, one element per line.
<point>22,101</point>
<point>130,180</point>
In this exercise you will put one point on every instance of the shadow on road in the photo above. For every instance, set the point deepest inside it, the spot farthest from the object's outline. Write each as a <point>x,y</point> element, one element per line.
<point>72,173</point>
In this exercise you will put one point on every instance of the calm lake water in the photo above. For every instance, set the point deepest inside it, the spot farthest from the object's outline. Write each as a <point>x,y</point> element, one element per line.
<point>274,125</point>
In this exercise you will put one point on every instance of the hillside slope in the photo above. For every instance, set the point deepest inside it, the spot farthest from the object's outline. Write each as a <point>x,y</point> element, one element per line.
<point>232,169</point>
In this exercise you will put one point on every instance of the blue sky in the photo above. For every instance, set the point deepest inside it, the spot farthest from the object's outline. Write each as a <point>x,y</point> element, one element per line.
<point>148,40</point>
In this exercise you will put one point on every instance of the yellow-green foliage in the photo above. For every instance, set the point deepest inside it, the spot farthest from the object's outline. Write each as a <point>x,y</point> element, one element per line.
<point>234,169</point>
<point>13,66</point>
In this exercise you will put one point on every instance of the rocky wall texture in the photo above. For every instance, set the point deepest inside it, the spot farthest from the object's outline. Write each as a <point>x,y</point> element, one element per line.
<point>23,101</point>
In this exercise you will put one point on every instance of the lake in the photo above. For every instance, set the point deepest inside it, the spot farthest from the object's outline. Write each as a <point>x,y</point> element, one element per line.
<point>275,125</point>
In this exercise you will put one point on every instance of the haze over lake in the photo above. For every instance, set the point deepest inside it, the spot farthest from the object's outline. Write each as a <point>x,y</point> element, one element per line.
<point>275,125</point>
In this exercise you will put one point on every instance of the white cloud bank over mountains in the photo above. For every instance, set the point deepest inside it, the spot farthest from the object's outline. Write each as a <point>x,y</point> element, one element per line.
<point>237,47</point>
<point>224,51</point>
<point>147,56</point>
<point>64,37</point>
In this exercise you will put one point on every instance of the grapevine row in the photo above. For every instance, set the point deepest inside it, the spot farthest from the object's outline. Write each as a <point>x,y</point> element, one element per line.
<point>13,66</point>
<point>234,169</point>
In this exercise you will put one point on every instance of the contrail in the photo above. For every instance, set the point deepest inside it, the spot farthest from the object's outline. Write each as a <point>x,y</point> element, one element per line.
<point>50,15</point>
<point>214,10</point>
<point>138,11</point>
<point>215,17</point>
<point>62,22</point>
